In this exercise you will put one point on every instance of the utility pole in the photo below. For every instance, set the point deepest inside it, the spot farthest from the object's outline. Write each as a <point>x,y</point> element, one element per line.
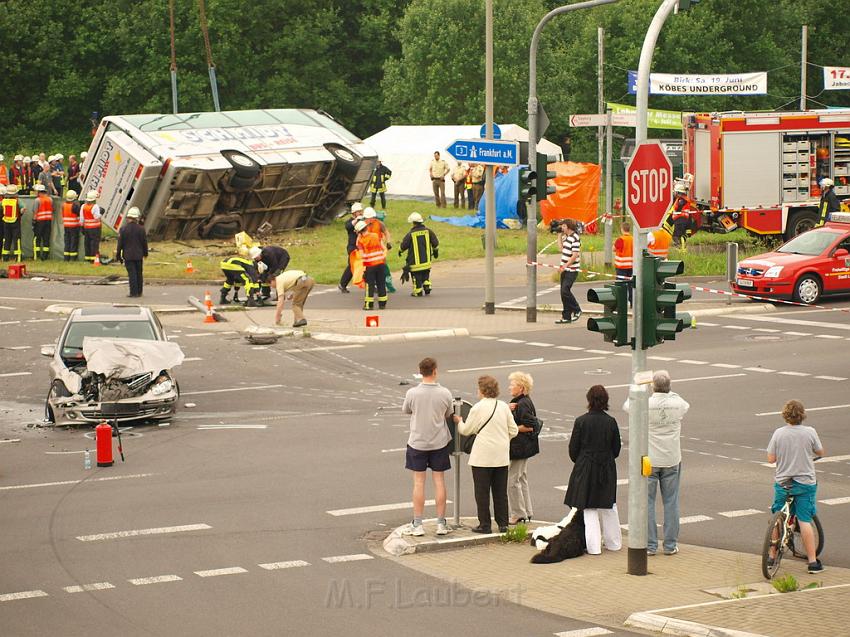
<point>600,90</point>
<point>173,59</point>
<point>638,396</point>
<point>490,185</point>
<point>608,220</point>
<point>533,136</point>
<point>804,66</point>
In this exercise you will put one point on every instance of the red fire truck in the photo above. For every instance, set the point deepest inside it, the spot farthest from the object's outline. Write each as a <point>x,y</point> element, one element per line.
<point>762,170</point>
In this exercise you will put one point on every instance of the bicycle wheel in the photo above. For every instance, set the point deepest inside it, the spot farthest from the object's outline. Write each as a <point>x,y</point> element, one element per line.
<point>796,541</point>
<point>774,539</point>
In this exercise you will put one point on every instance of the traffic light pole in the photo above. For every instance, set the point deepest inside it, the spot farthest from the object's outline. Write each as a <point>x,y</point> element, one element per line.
<point>490,181</point>
<point>638,395</point>
<point>533,137</point>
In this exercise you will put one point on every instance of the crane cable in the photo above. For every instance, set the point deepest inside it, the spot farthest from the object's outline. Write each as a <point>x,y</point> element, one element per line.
<point>205,31</point>
<point>173,51</point>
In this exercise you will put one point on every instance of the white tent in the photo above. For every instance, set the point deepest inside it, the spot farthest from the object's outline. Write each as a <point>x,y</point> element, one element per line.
<point>408,151</point>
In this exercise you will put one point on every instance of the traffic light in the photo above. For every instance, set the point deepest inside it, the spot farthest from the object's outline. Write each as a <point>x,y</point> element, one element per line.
<point>544,175</point>
<point>661,322</point>
<point>527,183</point>
<point>615,315</point>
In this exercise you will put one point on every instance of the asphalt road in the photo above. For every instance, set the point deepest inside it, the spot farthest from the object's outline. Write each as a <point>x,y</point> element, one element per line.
<point>255,503</point>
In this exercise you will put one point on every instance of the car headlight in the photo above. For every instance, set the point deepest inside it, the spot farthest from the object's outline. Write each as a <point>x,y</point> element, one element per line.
<point>773,272</point>
<point>162,388</point>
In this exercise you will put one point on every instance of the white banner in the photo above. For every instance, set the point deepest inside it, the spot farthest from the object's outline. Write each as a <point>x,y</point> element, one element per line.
<point>836,78</point>
<point>728,84</point>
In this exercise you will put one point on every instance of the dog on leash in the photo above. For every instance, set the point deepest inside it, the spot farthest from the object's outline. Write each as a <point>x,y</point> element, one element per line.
<point>567,544</point>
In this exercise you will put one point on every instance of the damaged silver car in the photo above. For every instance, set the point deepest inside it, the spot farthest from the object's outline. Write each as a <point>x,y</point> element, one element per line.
<point>112,354</point>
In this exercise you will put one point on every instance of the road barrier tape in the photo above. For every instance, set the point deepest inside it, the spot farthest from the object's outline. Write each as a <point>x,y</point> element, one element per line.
<point>703,289</point>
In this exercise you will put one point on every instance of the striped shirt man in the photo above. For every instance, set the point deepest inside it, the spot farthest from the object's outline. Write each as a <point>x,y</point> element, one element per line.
<point>571,246</point>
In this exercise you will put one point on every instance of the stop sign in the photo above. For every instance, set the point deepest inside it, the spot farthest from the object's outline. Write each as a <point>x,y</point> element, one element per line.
<point>649,182</point>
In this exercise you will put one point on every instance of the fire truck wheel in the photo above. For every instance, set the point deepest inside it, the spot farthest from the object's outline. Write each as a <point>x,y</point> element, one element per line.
<point>808,289</point>
<point>800,221</point>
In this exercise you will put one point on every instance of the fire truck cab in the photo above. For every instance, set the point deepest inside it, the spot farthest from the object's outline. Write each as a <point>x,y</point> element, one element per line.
<point>762,170</point>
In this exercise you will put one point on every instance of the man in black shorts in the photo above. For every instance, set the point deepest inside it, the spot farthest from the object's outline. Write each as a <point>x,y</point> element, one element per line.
<point>429,404</point>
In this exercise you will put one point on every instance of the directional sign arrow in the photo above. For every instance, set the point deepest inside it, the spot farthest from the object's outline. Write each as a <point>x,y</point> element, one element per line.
<point>485,151</point>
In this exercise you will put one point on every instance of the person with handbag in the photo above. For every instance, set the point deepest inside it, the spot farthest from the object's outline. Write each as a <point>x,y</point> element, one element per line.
<point>492,423</point>
<point>523,446</point>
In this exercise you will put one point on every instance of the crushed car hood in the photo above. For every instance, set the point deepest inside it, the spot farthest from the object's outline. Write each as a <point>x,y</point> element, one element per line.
<point>125,357</point>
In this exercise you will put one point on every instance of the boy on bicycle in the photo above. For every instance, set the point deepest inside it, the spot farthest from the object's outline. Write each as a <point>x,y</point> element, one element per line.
<point>793,449</point>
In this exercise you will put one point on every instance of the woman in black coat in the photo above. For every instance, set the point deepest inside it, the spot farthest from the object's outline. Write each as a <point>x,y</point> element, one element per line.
<point>594,446</point>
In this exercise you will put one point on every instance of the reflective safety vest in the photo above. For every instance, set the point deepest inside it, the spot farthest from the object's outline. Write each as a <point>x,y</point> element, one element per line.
<point>44,212</point>
<point>88,218</point>
<point>11,213</point>
<point>19,176</point>
<point>680,208</point>
<point>70,214</point>
<point>623,247</point>
<point>660,247</point>
<point>419,255</point>
<point>4,174</point>
<point>469,180</point>
<point>371,250</point>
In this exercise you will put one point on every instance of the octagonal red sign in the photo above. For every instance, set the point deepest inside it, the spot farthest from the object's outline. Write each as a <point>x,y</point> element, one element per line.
<point>649,185</point>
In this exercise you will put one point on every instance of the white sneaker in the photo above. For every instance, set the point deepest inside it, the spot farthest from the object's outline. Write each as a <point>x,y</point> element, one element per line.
<point>413,529</point>
<point>443,529</point>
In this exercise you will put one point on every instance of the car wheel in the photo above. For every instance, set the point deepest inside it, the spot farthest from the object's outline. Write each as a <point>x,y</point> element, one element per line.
<point>243,165</point>
<point>57,390</point>
<point>239,183</point>
<point>808,289</point>
<point>801,221</point>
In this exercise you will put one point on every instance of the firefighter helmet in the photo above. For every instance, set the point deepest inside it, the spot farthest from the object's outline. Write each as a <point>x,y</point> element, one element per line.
<point>369,213</point>
<point>91,196</point>
<point>71,195</point>
<point>27,160</point>
<point>826,182</point>
<point>360,226</point>
<point>11,189</point>
<point>415,217</point>
<point>254,252</point>
<point>134,213</point>
<point>2,189</point>
<point>680,187</point>
<point>83,155</point>
<point>356,207</point>
<point>39,188</point>
<point>19,158</point>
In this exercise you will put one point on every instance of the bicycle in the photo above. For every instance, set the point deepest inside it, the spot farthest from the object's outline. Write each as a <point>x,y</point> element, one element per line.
<point>783,534</point>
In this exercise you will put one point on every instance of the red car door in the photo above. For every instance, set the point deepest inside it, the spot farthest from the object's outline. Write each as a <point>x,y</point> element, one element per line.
<point>835,267</point>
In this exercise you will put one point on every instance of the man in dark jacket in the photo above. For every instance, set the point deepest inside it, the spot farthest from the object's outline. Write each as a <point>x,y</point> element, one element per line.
<point>829,201</point>
<point>275,260</point>
<point>421,246</point>
<point>132,249</point>
<point>356,213</point>
<point>378,184</point>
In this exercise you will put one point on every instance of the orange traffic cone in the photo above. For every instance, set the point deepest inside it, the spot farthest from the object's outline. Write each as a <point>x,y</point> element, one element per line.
<point>190,269</point>
<point>209,318</point>
<point>208,299</point>
<point>96,261</point>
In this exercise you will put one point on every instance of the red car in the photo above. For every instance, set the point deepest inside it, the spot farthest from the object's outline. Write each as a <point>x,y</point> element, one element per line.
<point>810,265</point>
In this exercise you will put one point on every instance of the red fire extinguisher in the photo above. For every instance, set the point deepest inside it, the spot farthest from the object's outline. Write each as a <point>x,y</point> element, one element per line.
<point>103,436</point>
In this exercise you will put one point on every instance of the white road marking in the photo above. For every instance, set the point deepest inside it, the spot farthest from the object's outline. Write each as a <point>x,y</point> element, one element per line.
<point>571,348</point>
<point>686,380</point>
<point>739,513</point>
<point>159,579</point>
<point>10,374</point>
<point>323,348</point>
<point>63,482</point>
<point>832,336</point>
<point>274,566</point>
<point>831,501</point>
<point>534,344</point>
<point>724,365</point>
<point>762,370</point>
<point>44,320</point>
<point>137,532</point>
<point>663,359</point>
<point>838,378</point>
<point>347,558</point>
<point>200,334</point>
<point>692,362</point>
<point>393,450</point>
<point>486,338</point>
<point>99,586</point>
<point>510,340</point>
<point>376,508</point>
<point>707,324</point>
<point>566,360</point>
<point>694,518</point>
<point>8,597</point>
<point>599,351</point>
<point>19,347</point>
<point>789,321</point>
<point>9,322</point>
<point>834,459</point>
<point>585,632</point>
<point>794,374</point>
<point>232,570</point>
<point>229,389</point>
<point>216,427</point>
<point>798,333</point>
<point>6,307</point>
<point>777,413</point>
<point>735,327</point>
<point>192,359</point>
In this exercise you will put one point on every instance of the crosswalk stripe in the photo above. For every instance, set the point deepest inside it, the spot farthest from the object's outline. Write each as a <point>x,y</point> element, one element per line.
<point>216,572</point>
<point>159,579</point>
<point>99,586</point>
<point>690,519</point>
<point>8,597</point>
<point>739,513</point>
<point>334,559</point>
<point>585,632</point>
<point>831,501</point>
<point>274,566</point>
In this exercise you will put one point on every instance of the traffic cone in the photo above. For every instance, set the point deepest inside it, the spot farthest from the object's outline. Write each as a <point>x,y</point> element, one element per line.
<point>208,299</point>
<point>96,261</point>
<point>209,318</point>
<point>190,269</point>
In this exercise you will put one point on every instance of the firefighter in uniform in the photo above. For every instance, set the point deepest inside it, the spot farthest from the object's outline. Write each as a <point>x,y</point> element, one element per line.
<point>11,224</point>
<point>4,172</point>
<point>42,225</point>
<point>17,175</point>
<point>680,215</point>
<point>378,184</point>
<point>374,258</point>
<point>623,254</point>
<point>275,259</point>
<point>421,246</point>
<point>828,200</point>
<point>351,246</point>
<point>378,227</point>
<point>241,272</point>
<point>90,215</point>
<point>71,223</point>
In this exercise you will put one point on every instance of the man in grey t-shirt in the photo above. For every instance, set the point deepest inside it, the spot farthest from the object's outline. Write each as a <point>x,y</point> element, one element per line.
<point>793,449</point>
<point>429,404</point>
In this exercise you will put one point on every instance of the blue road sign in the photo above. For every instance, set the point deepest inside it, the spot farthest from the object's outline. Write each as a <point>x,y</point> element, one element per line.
<point>497,132</point>
<point>481,151</point>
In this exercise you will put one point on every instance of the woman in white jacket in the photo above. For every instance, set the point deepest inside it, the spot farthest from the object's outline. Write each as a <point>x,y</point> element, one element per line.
<point>491,419</point>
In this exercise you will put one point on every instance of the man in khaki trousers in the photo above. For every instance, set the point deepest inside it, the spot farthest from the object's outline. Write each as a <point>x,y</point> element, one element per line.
<point>294,285</point>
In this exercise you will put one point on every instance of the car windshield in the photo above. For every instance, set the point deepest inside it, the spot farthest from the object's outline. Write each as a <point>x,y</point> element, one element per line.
<point>810,243</point>
<point>73,344</point>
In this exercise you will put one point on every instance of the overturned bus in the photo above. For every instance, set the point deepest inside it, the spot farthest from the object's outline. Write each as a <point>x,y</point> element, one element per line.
<point>211,175</point>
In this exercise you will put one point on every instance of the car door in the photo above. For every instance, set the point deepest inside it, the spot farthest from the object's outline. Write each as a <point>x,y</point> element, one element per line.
<point>837,270</point>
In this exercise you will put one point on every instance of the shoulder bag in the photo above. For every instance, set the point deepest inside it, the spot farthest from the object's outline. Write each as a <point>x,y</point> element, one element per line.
<point>466,442</point>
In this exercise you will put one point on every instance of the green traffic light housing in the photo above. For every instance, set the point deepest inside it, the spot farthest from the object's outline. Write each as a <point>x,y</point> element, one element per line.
<point>527,183</point>
<point>613,324</point>
<point>544,175</point>
<point>660,297</point>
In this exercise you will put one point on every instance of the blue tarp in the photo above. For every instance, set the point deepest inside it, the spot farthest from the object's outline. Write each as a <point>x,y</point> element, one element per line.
<point>507,192</point>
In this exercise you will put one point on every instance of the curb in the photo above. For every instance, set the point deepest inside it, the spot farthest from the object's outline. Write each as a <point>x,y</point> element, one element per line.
<point>731,309</point>
<point>670,626</point>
